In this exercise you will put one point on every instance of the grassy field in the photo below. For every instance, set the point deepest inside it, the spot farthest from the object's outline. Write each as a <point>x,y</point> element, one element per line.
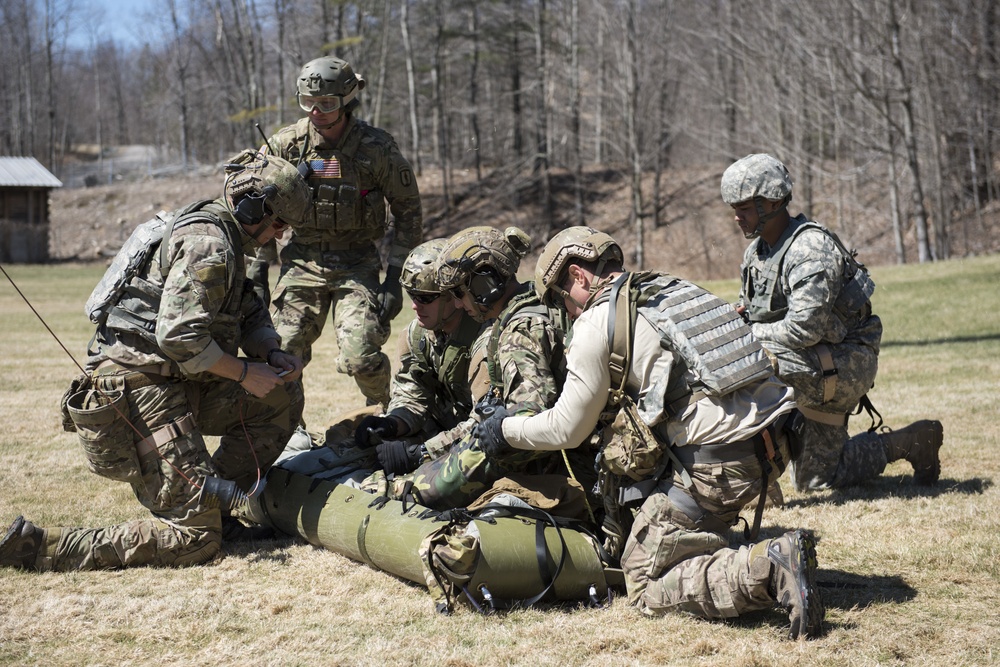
<point>910,576</point>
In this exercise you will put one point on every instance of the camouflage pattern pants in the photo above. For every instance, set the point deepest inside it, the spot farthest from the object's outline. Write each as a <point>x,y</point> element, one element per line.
<point>314,284</point>
<point>830,458</point>
<point>182,531</point>
<point>673,562</point>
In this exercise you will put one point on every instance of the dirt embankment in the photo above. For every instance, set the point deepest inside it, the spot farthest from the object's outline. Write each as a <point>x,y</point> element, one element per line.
<point>692,236</point>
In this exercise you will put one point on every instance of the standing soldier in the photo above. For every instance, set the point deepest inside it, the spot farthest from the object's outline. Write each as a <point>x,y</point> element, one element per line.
<point>172,312</point>
<point>430,392</point>
<point>808,301</point>
<point>332,263</point>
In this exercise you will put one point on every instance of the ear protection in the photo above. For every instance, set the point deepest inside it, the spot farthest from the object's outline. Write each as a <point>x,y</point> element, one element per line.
<point>251,209</point>
<point>486,286</point>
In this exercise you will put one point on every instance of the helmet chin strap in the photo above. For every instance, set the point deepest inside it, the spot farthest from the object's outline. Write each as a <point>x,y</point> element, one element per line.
<point>444,322</point>
<point>334,124</point>
<point>763,218</point>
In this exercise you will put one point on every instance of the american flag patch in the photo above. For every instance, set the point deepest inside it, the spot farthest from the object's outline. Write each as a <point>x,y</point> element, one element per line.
<point>326,168</point>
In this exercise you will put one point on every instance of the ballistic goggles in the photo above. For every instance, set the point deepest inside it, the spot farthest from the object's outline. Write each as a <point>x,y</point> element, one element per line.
<point>323,103</point>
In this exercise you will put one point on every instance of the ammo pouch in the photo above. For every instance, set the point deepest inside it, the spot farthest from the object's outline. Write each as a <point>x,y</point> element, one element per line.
<point>79,383</point>
<point>628,448</point>
<point>105,433</point>
<point>337,207</point>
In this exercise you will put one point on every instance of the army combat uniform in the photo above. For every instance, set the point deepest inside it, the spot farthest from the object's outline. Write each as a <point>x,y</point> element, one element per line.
<point>527,356</point>
<point>808,302</point>
<point>154,351</point>
<point>332,262</point>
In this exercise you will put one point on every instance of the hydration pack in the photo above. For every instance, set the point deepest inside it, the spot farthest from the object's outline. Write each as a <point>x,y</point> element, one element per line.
<point>132,256</point>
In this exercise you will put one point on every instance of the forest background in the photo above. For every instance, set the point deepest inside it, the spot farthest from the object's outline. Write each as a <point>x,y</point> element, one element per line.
<point>543,113</point>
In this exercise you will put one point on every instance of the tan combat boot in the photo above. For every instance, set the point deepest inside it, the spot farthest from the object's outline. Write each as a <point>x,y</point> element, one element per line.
<point>792,582</point>
<point>20,546</point>
<point>918,443</point>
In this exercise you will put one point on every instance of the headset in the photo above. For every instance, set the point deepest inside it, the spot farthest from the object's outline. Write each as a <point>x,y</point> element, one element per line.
<point>251,209</point>
<point>486,285</point>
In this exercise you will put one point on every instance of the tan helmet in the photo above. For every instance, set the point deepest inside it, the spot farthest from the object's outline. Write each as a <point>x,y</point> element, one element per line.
<point>583,243</point>
<point>757,175</point>
<point>258,185</point>
<point>420,270</point>
<point>481,260</point>
<point>329,77</point>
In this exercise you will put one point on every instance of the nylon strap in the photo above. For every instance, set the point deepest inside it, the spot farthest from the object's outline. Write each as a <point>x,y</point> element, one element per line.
<point>829,372</point>
<point>171,431</point>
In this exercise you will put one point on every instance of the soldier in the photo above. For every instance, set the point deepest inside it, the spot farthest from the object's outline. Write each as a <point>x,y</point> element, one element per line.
<point>697,433</point>
<point>524,352</point>
<point>332,264</point>
<point>430,392</point>
<point>172,316</point>
<point>808,301</point>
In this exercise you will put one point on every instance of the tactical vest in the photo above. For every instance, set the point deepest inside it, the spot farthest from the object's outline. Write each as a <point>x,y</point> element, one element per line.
<point>451,380</point>
<point>525,304</point>
<point>341,201</point>
<point>766,301</point>
<point>718,350</point>
<point>125,301</point>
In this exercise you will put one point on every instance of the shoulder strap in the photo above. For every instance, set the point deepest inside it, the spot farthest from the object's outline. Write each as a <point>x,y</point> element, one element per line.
<point>621,318</point>
<point>184,213</point>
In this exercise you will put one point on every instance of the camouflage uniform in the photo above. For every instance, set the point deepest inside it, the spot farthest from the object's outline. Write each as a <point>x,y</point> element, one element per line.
<point>332,262</point>
<point>795,295</point>
<point>430,392</point>
<point>206,309</point>
<point>530,372</point>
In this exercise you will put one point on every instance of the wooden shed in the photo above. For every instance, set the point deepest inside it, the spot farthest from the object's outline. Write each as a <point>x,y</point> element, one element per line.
<point>24,209</point>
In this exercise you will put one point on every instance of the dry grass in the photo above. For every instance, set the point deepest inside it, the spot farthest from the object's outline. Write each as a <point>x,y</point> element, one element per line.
<point>911,576</point>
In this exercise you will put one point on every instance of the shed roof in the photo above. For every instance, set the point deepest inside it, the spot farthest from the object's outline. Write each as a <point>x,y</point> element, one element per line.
<point>26,172</point>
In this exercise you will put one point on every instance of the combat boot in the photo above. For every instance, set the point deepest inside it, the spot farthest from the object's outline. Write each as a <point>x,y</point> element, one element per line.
<point>20,546</point>
<point>792,582</point>
<point>918,443</point>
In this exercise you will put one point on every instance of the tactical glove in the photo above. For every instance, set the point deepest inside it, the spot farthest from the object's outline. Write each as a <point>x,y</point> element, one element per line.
<point>373,429</point>
<point>390,298</point>
<point>398,457</point>
<point>489,432</point>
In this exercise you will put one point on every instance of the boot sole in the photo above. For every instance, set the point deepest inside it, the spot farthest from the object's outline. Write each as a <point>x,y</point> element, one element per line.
<point>928,475</point>
<point>804,564</point>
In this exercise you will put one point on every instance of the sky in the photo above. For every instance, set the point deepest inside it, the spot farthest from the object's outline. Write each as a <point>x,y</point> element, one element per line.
<point>124,21</point>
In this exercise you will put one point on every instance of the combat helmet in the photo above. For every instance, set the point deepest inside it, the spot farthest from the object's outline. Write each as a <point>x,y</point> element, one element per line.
<point>480,260</point>
<point>258,185</point>
<point>330,78</point>
<point>583,243</point>
<point>755,178</point>
<point>420,270</point>
<point>757,175</point>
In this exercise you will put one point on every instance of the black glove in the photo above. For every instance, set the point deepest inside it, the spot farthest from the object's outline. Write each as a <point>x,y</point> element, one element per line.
<point>373,430</point>
<point>390,299</point>
<point>489,432</point>
<point>398,457</point>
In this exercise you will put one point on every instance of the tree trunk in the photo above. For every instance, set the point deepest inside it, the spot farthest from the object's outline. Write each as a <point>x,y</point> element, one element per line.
<point>411,86</point>
<point>910,141</point>
<point>477,153</point>
<point>574,120</point>
<point>631,119</point>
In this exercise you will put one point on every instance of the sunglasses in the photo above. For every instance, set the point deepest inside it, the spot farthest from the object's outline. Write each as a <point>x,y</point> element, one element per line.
<point>424,299</point>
